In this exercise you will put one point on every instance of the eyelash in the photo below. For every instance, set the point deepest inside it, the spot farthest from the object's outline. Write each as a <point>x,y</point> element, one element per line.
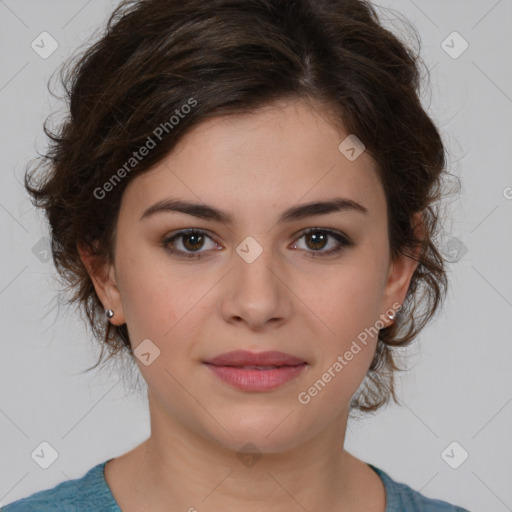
<point>342,239</point>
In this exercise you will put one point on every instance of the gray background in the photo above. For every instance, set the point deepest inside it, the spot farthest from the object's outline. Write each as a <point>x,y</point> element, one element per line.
<point>459,387</point>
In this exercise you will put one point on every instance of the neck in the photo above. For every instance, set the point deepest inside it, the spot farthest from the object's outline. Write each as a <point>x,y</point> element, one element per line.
<point>179,467</point>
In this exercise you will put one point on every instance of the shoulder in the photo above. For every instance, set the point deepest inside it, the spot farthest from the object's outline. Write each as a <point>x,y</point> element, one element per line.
<point>88,493</point>
<point>402,498</point>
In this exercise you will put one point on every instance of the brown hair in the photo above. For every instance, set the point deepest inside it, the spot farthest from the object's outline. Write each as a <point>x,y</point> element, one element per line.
<point>231,57</point>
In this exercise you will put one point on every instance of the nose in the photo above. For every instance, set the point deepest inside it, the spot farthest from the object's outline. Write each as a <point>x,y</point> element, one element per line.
<point>256,293</point>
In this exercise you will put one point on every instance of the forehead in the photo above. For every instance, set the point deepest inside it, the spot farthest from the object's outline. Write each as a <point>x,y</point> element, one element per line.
<point>281,154</point>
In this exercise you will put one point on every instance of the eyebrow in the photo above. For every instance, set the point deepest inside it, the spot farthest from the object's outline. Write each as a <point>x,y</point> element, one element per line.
<point>207,212</point>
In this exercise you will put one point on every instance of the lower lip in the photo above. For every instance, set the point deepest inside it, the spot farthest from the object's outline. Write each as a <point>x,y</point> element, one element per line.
<point>256,380</point>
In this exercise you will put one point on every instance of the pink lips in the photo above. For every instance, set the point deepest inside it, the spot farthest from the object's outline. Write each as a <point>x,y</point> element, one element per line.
<point>252,371</point>
<point>246,358</point>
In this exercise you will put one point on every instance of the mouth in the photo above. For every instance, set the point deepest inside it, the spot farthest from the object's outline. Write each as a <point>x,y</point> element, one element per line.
<point>249,371</point>
<point>263,360</point>
<point>255,367</point>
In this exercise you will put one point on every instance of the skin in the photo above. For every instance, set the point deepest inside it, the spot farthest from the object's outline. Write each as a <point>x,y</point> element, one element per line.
<point>253,167</point>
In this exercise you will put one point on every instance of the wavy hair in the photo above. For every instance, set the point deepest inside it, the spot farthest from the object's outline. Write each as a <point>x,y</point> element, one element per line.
<point>233,57</point>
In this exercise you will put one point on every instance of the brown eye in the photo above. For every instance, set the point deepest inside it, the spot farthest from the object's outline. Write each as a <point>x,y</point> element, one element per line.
<point>318,239</point>
<point>193,241</point>
<point>188,243</point>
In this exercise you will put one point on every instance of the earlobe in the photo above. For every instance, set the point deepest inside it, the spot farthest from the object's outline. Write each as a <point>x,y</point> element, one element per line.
<point>103,277</point>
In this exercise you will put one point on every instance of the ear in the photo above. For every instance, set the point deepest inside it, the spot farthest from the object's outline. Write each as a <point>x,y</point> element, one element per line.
<point>104,280</point>
<point>402,269</point>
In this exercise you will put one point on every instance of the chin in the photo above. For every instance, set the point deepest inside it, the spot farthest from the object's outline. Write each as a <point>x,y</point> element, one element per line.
<point>265,433</point>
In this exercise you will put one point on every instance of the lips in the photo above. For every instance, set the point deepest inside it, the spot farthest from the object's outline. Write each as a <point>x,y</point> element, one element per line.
<point>256,372</point>
<point>255,360</point>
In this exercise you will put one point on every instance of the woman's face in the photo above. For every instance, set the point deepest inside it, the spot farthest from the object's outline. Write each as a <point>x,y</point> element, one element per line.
<point>258,282</point>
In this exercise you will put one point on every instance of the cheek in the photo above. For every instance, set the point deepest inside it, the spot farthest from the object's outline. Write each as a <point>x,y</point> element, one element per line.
<point>349,308</point>
<point>349,299</point>
<point>348,304</point>
<point>162,303</point>
<point>151,300</point>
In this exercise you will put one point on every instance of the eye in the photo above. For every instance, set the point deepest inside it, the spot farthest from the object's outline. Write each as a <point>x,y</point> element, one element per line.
<point>190,240</point>
<point>317,239</point>
<point>193,240</point>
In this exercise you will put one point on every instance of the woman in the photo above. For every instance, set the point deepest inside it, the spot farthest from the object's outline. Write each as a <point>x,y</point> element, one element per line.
<point>243,199</point>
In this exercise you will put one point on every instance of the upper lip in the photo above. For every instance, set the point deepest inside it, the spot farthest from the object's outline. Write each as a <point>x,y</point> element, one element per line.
<point>246,358</point>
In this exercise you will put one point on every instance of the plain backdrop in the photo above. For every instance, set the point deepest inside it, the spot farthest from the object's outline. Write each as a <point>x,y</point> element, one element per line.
<point>459,388</point>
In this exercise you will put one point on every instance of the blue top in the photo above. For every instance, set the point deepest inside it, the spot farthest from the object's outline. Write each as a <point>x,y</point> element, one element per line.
<point>92,494</point>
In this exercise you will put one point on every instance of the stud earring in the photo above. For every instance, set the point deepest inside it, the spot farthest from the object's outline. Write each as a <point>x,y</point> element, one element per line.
<point>109,313</point>
<point>391,316</point>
